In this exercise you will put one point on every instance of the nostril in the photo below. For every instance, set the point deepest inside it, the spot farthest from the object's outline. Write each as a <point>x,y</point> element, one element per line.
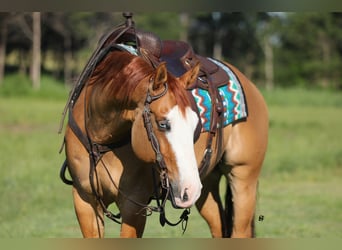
<point>185,196</point>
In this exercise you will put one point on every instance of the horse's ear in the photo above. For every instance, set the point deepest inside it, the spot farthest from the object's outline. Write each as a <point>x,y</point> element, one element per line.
<point>160,77</point>
<point>190,76</point>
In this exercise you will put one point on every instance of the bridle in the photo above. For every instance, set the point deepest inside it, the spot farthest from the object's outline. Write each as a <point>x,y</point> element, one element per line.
<point>165,183</point>
<point>163,173</point>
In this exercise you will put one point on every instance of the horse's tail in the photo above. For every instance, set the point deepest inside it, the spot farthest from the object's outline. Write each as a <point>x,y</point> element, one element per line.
<point>228,212</point>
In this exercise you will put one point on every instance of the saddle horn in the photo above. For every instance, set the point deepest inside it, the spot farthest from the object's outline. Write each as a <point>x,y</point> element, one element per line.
<point>129,18</point>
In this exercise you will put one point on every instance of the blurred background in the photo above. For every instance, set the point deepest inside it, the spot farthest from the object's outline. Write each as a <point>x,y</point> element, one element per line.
<point>273,49</point>
<point>295,59</point>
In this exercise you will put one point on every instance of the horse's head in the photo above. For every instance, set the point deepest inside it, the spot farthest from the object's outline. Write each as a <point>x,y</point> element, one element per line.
<point>169,128</point>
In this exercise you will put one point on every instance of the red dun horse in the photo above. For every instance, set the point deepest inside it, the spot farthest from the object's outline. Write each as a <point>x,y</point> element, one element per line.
<point>144,117</point>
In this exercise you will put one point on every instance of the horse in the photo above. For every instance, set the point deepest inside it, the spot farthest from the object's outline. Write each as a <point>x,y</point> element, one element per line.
<point>134,120</point>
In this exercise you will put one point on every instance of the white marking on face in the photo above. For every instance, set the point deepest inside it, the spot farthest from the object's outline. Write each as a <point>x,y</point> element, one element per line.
<point>180,137</point>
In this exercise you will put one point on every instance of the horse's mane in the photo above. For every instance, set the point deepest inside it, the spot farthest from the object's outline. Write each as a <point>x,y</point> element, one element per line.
<point>120,72</point>
<point>179,93</point>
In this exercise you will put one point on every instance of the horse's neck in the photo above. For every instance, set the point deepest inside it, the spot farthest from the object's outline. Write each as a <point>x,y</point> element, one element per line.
<point>106,122</point>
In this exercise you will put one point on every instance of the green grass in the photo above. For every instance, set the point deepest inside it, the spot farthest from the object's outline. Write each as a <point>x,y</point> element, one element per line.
<point>300,193</point>
<point>300,190</point>
<point>19,85</point>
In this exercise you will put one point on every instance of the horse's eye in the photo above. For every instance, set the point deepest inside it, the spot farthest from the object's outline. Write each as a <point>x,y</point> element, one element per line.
<point>164,125</point>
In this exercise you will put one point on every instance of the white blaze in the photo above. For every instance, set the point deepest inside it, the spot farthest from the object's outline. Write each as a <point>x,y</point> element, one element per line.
<point>181,138</point>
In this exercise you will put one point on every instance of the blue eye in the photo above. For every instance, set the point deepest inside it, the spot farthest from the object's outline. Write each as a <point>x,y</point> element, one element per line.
<point>164,125</point>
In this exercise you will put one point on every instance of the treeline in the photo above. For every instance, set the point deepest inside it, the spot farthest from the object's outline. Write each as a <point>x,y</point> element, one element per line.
<point>273,49</point>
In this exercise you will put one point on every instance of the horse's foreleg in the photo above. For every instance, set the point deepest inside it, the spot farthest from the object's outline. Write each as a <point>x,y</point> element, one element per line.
<point>209,204</point>
<point>133,221</point>
<point>244,190</point>
<point>89,215</point>
<point>132,231</point>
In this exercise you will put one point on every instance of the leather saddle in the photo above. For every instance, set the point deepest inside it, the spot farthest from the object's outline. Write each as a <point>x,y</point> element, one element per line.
<point>179,57</point>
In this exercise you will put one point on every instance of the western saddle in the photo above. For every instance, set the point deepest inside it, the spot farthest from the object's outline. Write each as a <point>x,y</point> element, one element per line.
<point>178,55</point>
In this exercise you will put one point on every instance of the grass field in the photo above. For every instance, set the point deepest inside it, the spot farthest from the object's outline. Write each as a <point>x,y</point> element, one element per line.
<point>300,191</point>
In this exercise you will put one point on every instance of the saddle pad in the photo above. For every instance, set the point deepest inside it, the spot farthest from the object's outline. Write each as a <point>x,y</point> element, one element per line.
<point>233,100</point>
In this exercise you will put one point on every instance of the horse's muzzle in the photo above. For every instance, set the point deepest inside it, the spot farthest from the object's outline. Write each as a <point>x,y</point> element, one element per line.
<point>186,198</point>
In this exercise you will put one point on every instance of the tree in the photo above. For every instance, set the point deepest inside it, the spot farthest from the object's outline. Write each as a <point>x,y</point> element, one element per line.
<point>184,20</point>
<point>167,25</point>
<point>233,35</point>
<point>268,37</point>
<point>4,18</point>
<point>68,33</point>
<point>36,53</point>
<point>23,36</point>
<point>309,54</point>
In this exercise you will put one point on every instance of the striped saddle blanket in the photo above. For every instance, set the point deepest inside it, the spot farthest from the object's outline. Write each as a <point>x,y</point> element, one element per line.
<point>232,96</point>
